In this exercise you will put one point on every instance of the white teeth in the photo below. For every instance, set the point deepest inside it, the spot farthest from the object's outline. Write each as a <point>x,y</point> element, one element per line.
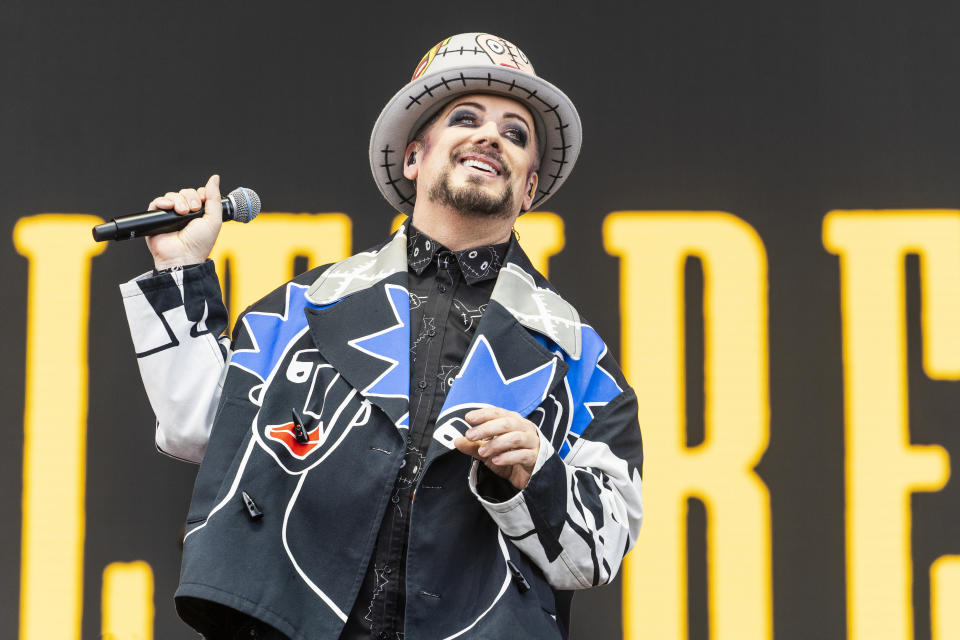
<point>477,164</point>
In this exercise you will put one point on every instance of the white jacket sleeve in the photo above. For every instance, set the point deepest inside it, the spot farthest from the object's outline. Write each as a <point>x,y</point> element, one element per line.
<point>578,517</point>
<point>176,321</point>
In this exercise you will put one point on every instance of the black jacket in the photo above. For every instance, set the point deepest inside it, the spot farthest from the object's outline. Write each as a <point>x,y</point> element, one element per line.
<point>334,344</point>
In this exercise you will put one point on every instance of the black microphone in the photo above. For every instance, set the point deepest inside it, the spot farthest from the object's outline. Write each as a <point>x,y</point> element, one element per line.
<point>241,204</point>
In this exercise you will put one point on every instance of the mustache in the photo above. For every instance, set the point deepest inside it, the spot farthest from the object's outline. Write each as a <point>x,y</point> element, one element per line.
<point>493,154</point>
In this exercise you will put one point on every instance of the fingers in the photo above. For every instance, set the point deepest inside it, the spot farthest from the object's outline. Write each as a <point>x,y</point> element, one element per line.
<point>211,194</point>
<point>166,201</point>
<point>193,243</point>
<point>192,198</point>
<point>504,441</point>
<point>501,437</point>
<point>488,413</point>
<point>182,201</point>
<point>508,442</point>
<point>526,458</point>
<point>495,426</point>
<point>466,446</point>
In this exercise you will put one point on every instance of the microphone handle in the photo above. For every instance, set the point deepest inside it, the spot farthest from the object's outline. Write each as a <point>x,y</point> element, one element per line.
<point>150,223</point>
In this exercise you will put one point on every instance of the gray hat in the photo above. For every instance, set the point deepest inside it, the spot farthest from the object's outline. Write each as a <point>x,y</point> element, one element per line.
<point>473,63</point>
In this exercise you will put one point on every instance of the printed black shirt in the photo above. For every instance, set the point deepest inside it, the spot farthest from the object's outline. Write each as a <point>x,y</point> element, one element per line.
<point>448,292</point>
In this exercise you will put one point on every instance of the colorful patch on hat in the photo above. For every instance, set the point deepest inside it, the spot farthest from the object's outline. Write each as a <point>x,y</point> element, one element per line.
<point>504,53</point>
<point>428,58</point>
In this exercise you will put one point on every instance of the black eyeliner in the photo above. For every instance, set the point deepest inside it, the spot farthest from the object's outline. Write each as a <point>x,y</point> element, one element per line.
<point>460,113</point>
<point>522,137</point>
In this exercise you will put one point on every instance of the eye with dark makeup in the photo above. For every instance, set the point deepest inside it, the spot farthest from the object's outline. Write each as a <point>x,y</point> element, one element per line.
<point>512,131</point>
<point>517,134</point>
<point>462,117</point>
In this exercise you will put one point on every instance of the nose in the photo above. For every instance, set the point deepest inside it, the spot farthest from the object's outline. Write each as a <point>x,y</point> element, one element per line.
<point>487,133</point>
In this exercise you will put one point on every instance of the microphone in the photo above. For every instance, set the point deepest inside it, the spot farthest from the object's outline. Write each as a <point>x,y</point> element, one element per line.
<point>241,204</point>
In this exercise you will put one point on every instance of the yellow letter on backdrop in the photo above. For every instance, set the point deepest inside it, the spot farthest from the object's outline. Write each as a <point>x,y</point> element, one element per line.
<point>944,596</point>
<point>653,247</point>
<point>882,468</point>
<point>59,248</point>
<point>127,601</point>
<point>261,254</point>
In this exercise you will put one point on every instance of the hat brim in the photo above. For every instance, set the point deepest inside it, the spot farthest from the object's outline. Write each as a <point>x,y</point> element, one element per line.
<point>558,125</point>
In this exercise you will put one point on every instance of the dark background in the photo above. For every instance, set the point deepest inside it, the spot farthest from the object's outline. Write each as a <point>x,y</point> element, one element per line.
<point>777,112</point>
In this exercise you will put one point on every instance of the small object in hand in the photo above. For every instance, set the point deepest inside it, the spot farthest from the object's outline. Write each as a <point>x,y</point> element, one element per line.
<point>252,508</point>
<point>476,444</point>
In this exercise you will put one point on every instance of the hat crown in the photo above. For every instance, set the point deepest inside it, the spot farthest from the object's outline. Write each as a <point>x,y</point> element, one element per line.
<point>473,49</point>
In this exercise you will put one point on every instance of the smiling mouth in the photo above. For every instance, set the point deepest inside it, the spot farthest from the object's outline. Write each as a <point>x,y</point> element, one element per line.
<point>480,165</point>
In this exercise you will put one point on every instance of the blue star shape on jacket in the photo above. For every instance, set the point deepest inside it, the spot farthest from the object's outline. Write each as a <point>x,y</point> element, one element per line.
<point>482,383</point>
<point>591,386</point>
<point>270,333</point>
<point>392,345</point>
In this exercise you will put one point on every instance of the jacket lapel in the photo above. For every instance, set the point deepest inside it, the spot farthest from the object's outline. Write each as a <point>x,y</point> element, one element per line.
<point>362,327</point>
<point>505,365</point>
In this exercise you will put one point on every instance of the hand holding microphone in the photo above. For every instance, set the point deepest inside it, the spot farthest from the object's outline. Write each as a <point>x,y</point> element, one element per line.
<point>178,232</point>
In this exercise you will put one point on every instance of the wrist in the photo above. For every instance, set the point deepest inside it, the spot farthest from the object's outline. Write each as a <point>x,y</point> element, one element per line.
<point>170,264</point>
<point>157,270</point>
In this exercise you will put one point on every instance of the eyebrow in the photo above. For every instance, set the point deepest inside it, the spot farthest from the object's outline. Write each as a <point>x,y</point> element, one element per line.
<point>480,107</point>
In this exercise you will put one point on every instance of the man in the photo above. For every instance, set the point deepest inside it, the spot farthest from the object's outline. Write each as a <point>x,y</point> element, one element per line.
<point>439,371</point>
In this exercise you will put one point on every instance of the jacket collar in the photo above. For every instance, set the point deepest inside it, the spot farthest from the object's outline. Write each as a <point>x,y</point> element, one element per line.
<point>530,299</point>
<point>476,264</point>
<point>522,291</point>
<point>360,271</point>
<point>363,331</point>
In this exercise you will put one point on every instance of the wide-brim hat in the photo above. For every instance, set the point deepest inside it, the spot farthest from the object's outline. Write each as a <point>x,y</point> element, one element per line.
<point>474,63</point>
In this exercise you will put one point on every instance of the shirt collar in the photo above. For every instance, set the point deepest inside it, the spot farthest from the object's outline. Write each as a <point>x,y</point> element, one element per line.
<point>477,264</point>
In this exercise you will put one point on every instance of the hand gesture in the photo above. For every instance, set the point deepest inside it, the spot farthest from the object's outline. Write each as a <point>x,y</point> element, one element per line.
<point>506,442</point>
<point>193,243</point>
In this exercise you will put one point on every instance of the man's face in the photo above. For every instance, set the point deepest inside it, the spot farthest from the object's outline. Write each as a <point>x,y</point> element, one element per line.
<point>479,157</point>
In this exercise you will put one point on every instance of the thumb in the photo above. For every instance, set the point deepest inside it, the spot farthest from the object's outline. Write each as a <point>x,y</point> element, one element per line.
<point>212,205</point>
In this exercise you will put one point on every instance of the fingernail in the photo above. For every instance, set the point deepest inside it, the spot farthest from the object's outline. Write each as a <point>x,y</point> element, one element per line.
<point>482,450</point>
<point>471,434</point>
<point>194,203</point>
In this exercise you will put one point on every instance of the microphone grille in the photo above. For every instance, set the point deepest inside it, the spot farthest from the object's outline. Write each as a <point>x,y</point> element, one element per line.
<point>246,204</point>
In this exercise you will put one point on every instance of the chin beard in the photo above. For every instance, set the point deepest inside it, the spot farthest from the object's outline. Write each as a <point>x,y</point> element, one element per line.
<point>470,199</point>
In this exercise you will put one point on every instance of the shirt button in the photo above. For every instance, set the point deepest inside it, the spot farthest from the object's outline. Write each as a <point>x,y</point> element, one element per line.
<point>422,384</point>
<point>388,569</point>
<point>384,635</point>
<point>442,288</point>
<point>432,332</point>
<point>395,499</point>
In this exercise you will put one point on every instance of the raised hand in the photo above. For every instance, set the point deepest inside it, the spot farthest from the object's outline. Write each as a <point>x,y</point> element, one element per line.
<point>193,243</point>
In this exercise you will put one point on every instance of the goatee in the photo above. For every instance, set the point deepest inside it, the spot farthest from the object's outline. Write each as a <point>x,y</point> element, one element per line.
<point>472,199</point>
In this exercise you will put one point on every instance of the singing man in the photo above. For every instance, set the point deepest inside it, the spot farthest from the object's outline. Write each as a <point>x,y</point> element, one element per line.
<point>423,440</point>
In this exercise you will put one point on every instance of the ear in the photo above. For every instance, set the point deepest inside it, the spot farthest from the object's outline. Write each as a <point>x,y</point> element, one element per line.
<point>411,161</point>
<point>530,192</point>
